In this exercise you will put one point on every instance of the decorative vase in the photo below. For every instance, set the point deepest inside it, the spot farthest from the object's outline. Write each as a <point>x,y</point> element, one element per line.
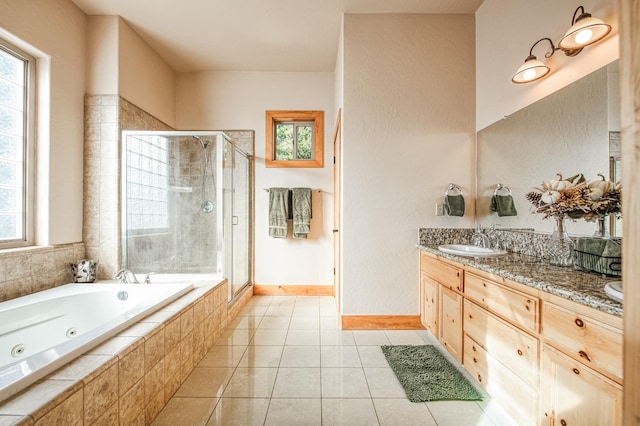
<point>560,248</point>
<point>601,230</point>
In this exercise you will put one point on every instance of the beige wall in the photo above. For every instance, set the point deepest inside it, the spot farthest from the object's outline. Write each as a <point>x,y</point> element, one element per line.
<point>145,79</point>
<point>102,55</point>
<point>55,33</point>
<point>408,131</point>
<point>506,30</point>
<point>238,100</point>
<point>119,62</point>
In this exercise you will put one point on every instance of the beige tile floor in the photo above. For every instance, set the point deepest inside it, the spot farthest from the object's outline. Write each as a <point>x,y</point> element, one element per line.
<point>284,361</point>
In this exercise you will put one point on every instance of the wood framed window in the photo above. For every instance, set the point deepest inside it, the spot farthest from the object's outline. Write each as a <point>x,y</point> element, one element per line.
<point>294,139</point>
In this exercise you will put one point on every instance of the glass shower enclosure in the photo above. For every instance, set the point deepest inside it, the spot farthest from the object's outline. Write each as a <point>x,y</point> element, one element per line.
<point>186,201</point>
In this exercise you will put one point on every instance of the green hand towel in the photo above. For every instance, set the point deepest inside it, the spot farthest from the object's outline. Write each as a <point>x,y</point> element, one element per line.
<point>454,205</point>
<point>301,212</point>
<point>503,205</point>
<point>278,212</point>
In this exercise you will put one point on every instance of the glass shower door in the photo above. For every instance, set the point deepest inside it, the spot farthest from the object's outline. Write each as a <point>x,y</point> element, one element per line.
<point>241,222</point>
<point>236,175</point>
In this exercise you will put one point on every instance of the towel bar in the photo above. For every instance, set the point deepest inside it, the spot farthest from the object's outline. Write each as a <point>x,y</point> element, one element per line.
<point>452,187</point>
<point>313,190</point>
<point>500,187</point>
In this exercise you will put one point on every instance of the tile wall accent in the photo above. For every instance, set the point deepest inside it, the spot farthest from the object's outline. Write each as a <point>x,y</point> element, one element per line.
<point>105,118</point>
<point>129,378</point>
<point>28,270</point>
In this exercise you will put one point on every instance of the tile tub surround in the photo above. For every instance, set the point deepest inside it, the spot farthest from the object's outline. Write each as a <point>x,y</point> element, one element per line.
<point>586,288</point>
<point>28,270</point>
<point>129,378</point>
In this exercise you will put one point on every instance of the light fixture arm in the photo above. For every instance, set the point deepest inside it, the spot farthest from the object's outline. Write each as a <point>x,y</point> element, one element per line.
<point>582,15</point>
<point>548,54</point>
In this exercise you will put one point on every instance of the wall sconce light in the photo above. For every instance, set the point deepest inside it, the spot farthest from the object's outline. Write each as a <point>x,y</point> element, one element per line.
<point>533,69</point>
<point>584,30</point>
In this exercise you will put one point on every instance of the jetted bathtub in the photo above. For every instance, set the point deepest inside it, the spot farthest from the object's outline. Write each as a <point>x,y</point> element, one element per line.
<point>42,332</point>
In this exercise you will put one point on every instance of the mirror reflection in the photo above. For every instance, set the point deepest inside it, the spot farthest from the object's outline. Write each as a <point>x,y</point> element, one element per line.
<point>574,130</point>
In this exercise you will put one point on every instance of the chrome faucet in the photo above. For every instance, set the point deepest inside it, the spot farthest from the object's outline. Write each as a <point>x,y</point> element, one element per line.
<point>125,276</point>
<point>479,239</point>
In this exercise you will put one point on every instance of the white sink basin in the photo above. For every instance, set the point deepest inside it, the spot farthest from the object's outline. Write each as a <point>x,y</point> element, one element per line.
<point>614,290</point>
<point>471,251</point>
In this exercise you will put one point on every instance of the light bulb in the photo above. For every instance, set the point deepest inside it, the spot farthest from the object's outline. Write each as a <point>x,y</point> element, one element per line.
<point>529,74</point>
<point>583,36</point>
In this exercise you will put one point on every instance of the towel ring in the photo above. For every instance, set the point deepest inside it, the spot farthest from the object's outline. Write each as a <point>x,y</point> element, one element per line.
<point>501,187</point>
<point>453,188</point>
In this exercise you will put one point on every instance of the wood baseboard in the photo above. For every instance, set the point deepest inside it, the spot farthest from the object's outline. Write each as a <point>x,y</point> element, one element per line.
<point>376,322</point>
<point>292,290</point>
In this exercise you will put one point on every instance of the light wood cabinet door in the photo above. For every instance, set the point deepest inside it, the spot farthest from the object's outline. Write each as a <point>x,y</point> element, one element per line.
<point>587,340</point>
<point>429,304</point>
<point>573,394</point>
<point>451,321</point>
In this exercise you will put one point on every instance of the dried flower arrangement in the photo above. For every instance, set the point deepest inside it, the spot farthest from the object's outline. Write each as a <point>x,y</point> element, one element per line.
<point>576,199</point>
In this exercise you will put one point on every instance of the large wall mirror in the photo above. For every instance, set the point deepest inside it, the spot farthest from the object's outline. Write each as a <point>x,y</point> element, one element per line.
<point>574,130</point>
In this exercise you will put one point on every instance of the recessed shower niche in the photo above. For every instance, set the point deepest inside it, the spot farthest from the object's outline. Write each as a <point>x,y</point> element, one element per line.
<point>186,205</point>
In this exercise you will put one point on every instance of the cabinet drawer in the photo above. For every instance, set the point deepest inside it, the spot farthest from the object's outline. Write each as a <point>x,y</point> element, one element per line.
<point>519,308</point>
<point>518,399</point>
<point>514,348</point>
<point>585,339</point>
<point>447,275</point>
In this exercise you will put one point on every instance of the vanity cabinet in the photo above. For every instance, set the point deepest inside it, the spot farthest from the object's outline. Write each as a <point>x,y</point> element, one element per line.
<point>586,339</point>
<point>500,350</point>
<point>442,285</point>
<point>581,366</point>
<point>575,394</point>
<point>545,359</point>
<point>451,322</point>
<point>429,302</point>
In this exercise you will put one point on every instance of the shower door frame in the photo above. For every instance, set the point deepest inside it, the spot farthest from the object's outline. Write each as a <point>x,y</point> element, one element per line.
<point>220,138</point>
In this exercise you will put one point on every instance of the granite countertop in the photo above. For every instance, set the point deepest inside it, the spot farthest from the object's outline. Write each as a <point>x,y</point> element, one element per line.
<point>583,287</point>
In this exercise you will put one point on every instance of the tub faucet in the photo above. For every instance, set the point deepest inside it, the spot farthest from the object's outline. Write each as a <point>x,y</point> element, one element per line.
<point>125,276</point>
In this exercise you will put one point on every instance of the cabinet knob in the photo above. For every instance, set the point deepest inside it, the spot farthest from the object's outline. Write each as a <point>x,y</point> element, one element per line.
<point>475,360</point>
<point>563,422</point>
<point>579,322</point>
<point>519,352</point>
<point>576,371</point>
<point>479,378</point>
<point>584,355</point>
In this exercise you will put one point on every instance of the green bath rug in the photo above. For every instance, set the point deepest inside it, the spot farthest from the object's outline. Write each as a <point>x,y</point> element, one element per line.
<point>426,375</point>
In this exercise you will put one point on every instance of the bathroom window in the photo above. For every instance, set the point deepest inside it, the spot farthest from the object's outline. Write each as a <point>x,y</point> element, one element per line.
<point>294,139</point>
<point>17,141</point>
<point>147,185</point>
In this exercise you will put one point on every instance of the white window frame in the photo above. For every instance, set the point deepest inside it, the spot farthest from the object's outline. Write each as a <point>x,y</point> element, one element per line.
<point>29,143</point>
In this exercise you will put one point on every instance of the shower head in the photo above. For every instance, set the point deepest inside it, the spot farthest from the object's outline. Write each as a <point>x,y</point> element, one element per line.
<point>202,143</point>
